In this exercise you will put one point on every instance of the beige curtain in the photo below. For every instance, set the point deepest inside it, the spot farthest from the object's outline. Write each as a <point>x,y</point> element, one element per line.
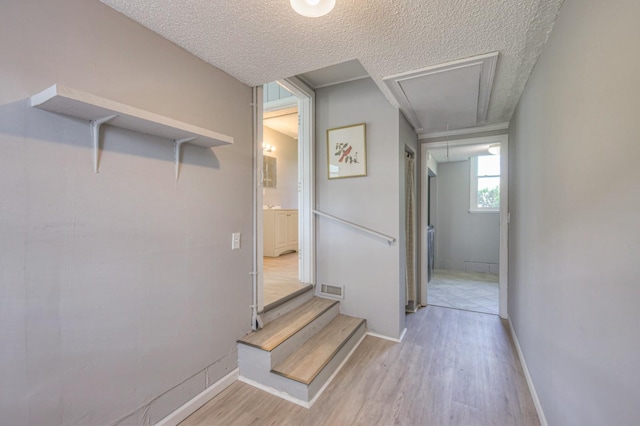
<point>410,285</point>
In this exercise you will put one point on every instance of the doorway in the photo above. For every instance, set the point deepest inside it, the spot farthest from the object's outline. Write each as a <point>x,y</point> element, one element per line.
<point>465,204</point>
<point>412,293</point>
<point>283,194</point>
<point>280,196</point>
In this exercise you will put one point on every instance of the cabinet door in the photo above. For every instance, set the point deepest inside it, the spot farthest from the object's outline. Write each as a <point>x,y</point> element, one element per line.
<point>281,229</point>
<point>292,229</point>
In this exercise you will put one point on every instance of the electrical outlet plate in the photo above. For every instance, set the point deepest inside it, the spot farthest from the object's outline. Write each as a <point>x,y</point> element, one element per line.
<point>235,241</point>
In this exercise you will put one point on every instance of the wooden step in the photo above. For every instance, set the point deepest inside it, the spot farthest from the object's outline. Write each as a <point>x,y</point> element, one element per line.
<point>307,362</point>
<point>287,298</point>
<point>275,312</point>
<point>285,326</point>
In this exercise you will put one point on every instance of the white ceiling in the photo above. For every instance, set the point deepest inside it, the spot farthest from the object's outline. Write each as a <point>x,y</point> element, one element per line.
<point>262,41</point>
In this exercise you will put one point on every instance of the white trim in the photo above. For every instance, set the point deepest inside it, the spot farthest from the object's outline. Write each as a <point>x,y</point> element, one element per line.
<point>482,140</point>
<point>473,186</point>
<point>199,400</point>
<point>306,177</point>
<point>333,83</point>
<point>504,228</point>
<point>525,369</point>
<point>442,67</point>
<point>421,223</point>
<point>487,63</point>
<point>257,275</point>
<point>393,339</point>
<point>402,334</point>
<point>278,104</point>
<point>305,98</point>
<point>465,131</point>
<point>293,399</point>
<point>274,392</point>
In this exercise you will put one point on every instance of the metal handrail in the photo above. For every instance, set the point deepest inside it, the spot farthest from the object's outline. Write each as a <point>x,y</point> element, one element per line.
<point>387,238</point>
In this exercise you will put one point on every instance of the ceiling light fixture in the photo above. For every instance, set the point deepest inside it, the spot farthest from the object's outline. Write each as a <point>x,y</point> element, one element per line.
<point>494,149</point>
<point>313,8</point>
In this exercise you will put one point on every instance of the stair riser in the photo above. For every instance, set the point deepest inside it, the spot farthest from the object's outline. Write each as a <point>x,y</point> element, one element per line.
<point>296,389</point>
<point>294,342</point>
<point>260,358</point>
<point>248,355</point>
<point>277,312</point>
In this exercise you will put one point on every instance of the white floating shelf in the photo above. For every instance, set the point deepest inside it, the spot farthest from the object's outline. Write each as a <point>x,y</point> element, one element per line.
<point>75,103</point>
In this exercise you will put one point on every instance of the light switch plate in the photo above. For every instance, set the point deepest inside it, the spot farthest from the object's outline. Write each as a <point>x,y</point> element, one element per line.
<point>235,241</point>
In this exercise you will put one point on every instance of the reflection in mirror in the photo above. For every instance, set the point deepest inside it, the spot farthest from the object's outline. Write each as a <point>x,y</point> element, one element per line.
<point>270,172</point>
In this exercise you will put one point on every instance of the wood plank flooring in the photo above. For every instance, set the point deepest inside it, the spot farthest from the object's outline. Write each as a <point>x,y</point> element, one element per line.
<point>306,363</point>
<point>280,329</point>
<point>453,368</point>
<point>280,277</point>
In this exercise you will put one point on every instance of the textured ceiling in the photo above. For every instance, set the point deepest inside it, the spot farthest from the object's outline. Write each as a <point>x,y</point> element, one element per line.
<point>259,41</point>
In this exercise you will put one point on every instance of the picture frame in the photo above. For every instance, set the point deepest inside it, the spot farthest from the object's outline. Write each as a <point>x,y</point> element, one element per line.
<point>347,151</point>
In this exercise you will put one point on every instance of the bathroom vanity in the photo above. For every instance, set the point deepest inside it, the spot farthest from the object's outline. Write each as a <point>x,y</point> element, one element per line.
<point>280,231</point>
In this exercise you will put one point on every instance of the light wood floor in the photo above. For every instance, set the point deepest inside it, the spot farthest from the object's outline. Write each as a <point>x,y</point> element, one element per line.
<point>453,368</point>
<point>280,277</point>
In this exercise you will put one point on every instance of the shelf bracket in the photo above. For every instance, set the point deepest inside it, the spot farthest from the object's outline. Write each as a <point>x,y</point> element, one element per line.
<point>178,143</point>
<point>95,134</point>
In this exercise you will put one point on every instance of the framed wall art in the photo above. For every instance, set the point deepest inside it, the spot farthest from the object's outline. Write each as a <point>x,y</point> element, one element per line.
<point>347,151</point>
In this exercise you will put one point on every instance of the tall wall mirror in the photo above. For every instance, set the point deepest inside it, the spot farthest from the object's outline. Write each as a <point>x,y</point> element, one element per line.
<point>269,166</point>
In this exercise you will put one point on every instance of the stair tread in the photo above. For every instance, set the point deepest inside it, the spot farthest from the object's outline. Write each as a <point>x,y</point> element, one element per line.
<point>306,362</point>
<point>279,330</point>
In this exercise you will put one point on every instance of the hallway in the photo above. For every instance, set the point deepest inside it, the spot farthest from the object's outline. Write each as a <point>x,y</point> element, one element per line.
<point>453,368</point>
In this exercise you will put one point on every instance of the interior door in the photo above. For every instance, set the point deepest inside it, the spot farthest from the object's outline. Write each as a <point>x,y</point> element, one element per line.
<point>306,178</point>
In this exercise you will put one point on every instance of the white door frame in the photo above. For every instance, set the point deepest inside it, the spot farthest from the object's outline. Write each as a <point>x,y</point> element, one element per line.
<point>306,177</point>
<point>503,140</point>
<point>257,301</point>
<point>306,190</point>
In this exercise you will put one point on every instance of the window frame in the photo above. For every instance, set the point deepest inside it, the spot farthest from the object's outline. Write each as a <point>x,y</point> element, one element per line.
<point>473,187</point>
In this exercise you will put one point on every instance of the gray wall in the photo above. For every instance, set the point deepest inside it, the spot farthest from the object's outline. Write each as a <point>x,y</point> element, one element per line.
<point>574,233</point>
<point>365,265</point>
<point>285,193</point>
<point>119,294</point>
<point>464,241</point>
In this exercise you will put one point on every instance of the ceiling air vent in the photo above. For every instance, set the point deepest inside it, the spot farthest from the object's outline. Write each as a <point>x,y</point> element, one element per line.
<point>332,291</point>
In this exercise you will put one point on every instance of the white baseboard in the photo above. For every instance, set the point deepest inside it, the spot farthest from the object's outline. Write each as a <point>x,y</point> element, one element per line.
<point>275,392</point>
<point>393,339</point>
<point>532,388</point>
<point>199,400</point>
<point>295,400</point>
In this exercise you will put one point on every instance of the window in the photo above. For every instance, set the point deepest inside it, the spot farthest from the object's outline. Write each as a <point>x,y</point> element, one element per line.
<point>485,183</point>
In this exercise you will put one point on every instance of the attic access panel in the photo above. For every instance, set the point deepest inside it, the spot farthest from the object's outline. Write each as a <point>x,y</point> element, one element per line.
<point>448,96</point>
